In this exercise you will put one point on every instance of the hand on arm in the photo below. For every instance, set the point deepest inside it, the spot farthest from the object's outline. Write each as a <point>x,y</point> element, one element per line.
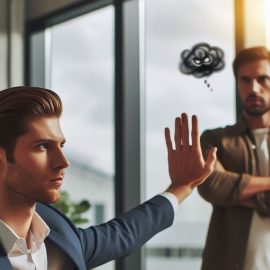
<point>187,167</point>
<point>256,184</point>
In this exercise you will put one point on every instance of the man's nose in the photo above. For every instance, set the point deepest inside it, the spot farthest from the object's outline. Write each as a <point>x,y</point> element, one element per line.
<point>256,87</point>
<point>61,161</point>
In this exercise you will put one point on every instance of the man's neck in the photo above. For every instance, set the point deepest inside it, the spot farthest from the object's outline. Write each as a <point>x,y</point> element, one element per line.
<point>18,216</point>
<point>256,122</point>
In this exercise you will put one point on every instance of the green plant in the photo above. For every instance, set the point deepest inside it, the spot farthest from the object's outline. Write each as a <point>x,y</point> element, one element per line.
<point>72,209</point>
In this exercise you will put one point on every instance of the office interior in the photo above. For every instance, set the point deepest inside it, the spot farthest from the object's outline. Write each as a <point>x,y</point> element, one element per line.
<point>115,64</point>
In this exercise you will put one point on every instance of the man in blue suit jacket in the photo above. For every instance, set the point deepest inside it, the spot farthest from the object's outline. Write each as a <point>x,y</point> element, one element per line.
<point>34,235</point>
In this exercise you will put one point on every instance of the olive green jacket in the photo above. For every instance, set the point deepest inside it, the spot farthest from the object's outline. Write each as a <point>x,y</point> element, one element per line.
<point>229,227</point>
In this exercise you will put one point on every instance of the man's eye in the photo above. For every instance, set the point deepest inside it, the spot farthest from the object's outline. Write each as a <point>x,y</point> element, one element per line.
<point>43,146</point>
<point>262,79</point>
<point>245,80</point>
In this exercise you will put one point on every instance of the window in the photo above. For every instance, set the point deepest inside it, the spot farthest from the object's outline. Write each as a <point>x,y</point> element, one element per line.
<point>79,66</point>
<point>171,27</point>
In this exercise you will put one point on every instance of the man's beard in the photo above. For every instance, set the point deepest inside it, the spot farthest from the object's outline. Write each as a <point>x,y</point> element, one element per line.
<point>26,187</point>
<point>256,111</point>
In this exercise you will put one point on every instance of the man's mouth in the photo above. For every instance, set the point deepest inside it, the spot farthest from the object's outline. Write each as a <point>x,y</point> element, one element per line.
<point>57,180</point>
<point>255,100</point>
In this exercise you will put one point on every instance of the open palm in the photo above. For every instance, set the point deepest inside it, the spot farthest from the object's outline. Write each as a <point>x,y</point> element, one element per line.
<point>187,167</point>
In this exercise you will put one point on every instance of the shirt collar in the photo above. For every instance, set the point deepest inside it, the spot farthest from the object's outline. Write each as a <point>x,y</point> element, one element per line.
<point>9,238</point>
<point>39,228</point>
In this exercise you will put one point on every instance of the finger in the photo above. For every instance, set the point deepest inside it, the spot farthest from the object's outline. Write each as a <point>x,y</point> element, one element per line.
<point>209,166</point>
<point>195,138</point>
<point>185,130</point>
<point>168,140</point>
<point>178,132</point>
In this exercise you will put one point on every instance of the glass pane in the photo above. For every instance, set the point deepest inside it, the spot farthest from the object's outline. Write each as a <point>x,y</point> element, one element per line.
<point>37,65</point>
<point>82,69</point>
<point>171,27</point>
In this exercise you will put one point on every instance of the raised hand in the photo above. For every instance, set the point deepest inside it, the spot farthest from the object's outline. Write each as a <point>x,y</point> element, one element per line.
<point>187,167</point>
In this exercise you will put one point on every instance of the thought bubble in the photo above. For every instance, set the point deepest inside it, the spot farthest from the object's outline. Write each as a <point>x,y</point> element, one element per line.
<point>208,85</point>
<point>201,60</point>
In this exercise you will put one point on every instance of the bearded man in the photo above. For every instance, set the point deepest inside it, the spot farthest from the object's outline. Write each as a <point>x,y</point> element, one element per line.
<point>238,189</point>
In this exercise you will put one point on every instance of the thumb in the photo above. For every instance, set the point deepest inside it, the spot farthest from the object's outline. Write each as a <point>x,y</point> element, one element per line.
<point>208,167</point>
<point>211,158</point>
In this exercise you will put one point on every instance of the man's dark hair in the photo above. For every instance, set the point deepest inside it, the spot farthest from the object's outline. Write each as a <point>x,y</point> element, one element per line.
<point>18,106</point>
<point>248,55</point>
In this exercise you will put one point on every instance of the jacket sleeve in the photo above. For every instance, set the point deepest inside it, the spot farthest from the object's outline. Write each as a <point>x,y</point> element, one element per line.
<point>222,187</point>
<point>122,235</point>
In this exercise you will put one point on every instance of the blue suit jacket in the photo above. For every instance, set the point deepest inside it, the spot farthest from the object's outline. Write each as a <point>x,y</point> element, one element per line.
<point>97,245</point>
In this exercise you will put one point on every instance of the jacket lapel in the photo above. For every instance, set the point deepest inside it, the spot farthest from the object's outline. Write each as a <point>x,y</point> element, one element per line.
<point>63,234</point>
<point>69,248</point>
<point>4,261</point>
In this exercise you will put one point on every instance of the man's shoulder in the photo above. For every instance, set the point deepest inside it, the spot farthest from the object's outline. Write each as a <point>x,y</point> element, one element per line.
<point>229,134</point>
<point>232,130</point>
<point>52,216</point>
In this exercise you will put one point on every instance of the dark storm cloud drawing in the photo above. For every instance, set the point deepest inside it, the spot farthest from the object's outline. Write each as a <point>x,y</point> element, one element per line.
<point>201,60</point>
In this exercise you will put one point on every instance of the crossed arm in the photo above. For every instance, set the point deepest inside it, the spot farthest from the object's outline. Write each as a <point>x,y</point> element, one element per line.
<point>256,184</point>
<point>187,167</point>
<point>229,188</point>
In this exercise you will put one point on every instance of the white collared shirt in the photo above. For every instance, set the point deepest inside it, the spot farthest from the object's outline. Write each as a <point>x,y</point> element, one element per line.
<point>258,255</point>
<point>20,256</point>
